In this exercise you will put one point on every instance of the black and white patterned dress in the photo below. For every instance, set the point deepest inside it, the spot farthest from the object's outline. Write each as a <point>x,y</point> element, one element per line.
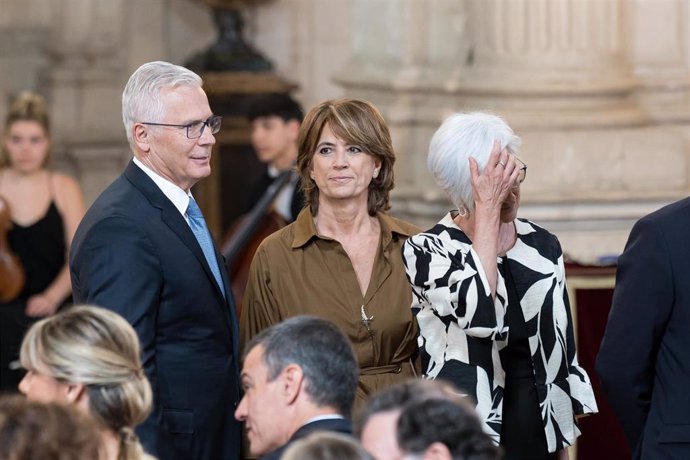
<point>463,332</point>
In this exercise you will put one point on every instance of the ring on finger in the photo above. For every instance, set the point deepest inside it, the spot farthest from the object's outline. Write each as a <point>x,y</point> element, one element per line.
<point>501,163</point>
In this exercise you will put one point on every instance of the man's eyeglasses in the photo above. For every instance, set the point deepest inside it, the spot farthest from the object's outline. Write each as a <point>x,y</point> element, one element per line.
<point>195,129</point>
<point>523,170</point>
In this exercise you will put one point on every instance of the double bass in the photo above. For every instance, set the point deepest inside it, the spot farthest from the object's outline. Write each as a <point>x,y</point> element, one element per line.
<point>243,239</point>
<point>11,271</point>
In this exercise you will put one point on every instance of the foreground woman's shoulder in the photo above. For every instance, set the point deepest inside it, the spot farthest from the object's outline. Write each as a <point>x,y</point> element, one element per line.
<point>67,191</point>
<point>64,180</point>
<point>538,237</point>
<point>400,226</point>
<point>526,227</point>
<point>281,238</point>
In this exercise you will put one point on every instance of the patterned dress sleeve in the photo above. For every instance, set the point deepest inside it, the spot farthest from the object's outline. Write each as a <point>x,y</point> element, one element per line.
<point>452,283</point>
<point>581,392</point>
<point>461,326</point>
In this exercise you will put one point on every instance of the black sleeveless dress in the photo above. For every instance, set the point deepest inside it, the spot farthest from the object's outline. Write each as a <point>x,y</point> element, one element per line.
<point>41,249</point>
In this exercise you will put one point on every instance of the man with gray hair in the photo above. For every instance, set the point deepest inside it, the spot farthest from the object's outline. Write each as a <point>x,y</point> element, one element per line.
<point>144,251</point>
<point>298,377</point>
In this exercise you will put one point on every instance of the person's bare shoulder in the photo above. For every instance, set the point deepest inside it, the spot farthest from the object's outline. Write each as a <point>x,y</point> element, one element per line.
<point>67,193</point>
<point>65,184</point>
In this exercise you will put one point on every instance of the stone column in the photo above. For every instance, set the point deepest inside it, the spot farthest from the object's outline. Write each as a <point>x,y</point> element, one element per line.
<point>560,62</point>
<point>86,83</point>
<point>560,73</point>
<point>407,60</point>
<point>24,32</point>
<point>664,76</point>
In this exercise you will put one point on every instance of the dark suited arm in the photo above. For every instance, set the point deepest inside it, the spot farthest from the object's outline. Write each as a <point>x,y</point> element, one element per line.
<point>642,303</point>
<point>115,267</point>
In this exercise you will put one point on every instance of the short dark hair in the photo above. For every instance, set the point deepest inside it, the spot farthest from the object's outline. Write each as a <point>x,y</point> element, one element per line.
<point>398,396</point>
<point>275,105</point>
<point>322,351</point>
<point>452,423</point>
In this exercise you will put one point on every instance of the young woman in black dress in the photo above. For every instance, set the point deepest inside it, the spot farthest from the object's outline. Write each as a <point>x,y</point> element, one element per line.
<point>45,209</point>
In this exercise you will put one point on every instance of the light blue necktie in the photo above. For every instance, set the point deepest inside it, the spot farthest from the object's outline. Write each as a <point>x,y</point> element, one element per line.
<point>198,226</point>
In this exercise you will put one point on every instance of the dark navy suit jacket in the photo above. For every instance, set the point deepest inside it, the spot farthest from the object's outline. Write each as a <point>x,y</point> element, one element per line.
<point>134,253</point>
<point>337,425</point>
<point>644,358</point>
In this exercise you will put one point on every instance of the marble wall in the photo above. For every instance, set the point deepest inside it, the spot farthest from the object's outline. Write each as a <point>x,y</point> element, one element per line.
<point>598,90</point>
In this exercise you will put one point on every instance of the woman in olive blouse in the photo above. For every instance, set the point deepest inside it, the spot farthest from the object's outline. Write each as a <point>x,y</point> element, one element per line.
<point>340,259</point>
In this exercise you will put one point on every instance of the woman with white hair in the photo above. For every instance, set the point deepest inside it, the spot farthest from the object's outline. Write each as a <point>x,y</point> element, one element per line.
<point>89,357</point>
<point>490,296</point>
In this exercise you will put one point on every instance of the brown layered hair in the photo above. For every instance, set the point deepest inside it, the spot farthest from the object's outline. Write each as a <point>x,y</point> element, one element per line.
<point>356,122</point>
<point>32,430</point>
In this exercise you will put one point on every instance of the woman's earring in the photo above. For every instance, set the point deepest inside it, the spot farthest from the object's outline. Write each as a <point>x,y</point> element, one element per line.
<point>376,173</point>
<point>463,212</point>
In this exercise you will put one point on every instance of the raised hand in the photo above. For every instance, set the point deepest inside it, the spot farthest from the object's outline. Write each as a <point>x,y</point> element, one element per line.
<point>491,186</point>
<point>490,189</point>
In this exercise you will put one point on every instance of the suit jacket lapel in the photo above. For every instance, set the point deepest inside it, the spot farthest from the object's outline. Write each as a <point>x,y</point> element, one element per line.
<point>171,217</point>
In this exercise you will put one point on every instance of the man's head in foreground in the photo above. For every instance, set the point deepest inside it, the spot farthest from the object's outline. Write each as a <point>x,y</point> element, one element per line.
<point>293,372</point>
<point>421,419</point>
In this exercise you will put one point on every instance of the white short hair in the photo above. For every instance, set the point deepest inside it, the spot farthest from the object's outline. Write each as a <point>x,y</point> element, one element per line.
<point>141,97</point>
<point>461,136</point>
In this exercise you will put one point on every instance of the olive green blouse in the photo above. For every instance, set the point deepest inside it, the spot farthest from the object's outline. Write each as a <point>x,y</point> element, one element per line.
<point>297,272</point>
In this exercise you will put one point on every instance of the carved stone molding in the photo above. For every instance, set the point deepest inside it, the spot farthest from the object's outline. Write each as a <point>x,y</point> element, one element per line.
<point>664,76</point>
<point>560,72</point>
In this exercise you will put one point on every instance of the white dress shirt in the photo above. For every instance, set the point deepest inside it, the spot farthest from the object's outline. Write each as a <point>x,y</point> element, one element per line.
<point>179,198</point>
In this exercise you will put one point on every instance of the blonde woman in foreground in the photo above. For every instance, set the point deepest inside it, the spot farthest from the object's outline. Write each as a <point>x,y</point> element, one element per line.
<point>89,357</point>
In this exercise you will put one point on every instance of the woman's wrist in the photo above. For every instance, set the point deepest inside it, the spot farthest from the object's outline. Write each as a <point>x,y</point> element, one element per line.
<point>485,213</point>
<point>52,297</point>
<point>487,206</point>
